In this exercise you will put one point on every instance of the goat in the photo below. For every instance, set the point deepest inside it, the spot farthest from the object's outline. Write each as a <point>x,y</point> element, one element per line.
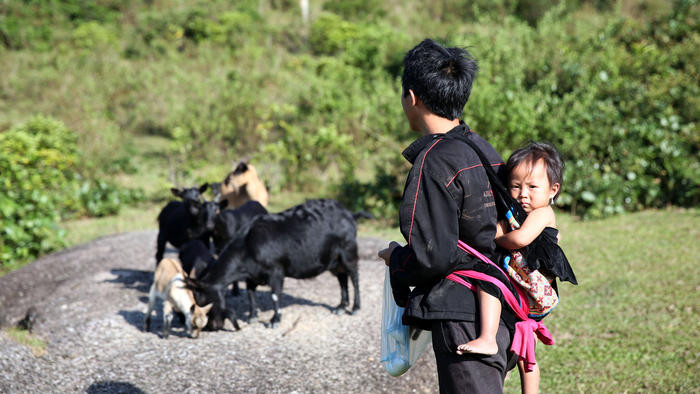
<point>202,223</point>
<point>231,223</point>
<point>222,225</point>
<point>169,286</point>
<point>300,242</point>
<point>242,185</point>
<point>196,258</point>
<point>175,219</point>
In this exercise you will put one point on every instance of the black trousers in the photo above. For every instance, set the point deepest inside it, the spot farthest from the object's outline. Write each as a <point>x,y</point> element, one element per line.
<point>469,373</point>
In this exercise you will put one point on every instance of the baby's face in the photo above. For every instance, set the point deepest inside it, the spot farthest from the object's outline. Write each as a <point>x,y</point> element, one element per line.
<point>530,185</point>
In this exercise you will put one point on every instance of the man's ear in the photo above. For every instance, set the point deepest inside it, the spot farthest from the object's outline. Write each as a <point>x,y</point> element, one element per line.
<point>413,99</point>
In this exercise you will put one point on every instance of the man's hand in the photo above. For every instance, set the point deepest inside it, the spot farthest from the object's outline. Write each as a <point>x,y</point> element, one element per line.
<point>385,254</point>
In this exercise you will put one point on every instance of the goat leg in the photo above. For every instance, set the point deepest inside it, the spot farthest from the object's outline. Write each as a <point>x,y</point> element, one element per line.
<point>343,281</point>
<point>151,304</point>
<point>230,314</point>
<point>355,278</point>
<point>276,286</point>
<point>228,310</point>
<point>160,247</point>
<point>253,302</point>
<point>167,318</point>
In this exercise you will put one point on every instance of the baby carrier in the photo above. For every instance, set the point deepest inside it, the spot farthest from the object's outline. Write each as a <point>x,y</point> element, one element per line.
<point>528,270</point>
<point>535,267</point>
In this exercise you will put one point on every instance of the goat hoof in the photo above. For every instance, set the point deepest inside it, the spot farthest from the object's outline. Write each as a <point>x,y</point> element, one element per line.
<point>339,311</point>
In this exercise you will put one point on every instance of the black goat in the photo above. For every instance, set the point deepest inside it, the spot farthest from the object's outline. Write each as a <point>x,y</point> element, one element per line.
<point>196,258</point>
<point>301,242</point>
<point>175,218</point>
<point>233,223</point>
<point>202,224</point>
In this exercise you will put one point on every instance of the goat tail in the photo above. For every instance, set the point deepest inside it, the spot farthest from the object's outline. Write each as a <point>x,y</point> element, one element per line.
<point>362,215</point>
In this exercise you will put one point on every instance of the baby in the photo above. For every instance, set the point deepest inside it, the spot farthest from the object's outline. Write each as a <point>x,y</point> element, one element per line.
<point>535,177</point>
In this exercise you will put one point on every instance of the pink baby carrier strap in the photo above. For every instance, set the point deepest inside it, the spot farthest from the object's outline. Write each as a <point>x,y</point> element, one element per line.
<point>523,340</point>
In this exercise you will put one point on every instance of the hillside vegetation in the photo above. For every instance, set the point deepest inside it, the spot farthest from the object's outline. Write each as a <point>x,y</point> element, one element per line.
<point>109,103</point>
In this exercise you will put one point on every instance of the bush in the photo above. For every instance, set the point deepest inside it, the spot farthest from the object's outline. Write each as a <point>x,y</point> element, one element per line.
<point>92,35</point>
<point>368,47</point>
<point>609,99</point>
<point>39,184</point>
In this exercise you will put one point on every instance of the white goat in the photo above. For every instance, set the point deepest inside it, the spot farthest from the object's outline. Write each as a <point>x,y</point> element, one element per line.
<point>169,286</point>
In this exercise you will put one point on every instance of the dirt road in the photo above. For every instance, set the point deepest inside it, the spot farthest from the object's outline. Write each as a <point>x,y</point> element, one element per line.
<point>91,302</point>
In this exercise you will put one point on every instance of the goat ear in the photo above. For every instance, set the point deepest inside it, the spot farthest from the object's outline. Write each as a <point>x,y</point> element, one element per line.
<point>203,188</point>
<point>176,192</point>
<point>206,308</point>
<point>241,168</point>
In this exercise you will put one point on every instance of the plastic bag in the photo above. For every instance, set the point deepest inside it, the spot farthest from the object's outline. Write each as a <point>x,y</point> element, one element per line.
<point>401,345</point>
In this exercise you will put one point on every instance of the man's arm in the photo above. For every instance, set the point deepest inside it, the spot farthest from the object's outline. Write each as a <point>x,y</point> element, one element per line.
<point>535,223</point>
<point>432,235</point>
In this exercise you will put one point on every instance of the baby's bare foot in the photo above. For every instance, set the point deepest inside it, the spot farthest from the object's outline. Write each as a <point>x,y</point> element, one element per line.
<point>479,346</point>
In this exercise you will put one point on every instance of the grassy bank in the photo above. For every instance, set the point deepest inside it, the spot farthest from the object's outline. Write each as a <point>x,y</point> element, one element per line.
<point>631,324</point>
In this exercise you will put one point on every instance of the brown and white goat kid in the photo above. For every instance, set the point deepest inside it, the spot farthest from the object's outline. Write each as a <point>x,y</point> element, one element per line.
<point>169,286</point>
<point>243,185</point>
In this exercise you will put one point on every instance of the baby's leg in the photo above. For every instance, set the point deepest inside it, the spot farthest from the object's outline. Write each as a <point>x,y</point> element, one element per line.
<point>529,381</point>
<point>490,310</point>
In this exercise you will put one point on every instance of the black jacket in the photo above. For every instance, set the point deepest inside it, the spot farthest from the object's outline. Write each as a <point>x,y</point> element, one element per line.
<point>447,197</point>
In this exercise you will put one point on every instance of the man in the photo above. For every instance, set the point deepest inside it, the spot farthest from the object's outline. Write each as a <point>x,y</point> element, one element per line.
<point>447,198</point>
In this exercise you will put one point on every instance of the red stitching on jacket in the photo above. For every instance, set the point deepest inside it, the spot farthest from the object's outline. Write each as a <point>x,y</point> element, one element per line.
<point>469,168</point>
<point>415,200</point>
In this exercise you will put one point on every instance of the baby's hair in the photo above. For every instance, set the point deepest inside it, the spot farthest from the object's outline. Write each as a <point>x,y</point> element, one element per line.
<point>535,151</point>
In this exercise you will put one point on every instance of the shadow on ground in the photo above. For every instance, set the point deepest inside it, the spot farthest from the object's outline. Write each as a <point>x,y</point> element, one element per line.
<point>113,388</point>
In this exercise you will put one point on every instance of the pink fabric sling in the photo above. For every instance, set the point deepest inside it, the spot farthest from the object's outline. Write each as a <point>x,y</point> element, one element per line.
<point>523,339</point>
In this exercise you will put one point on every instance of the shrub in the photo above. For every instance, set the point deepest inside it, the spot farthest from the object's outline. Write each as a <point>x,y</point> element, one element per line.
<point>39,184</point>
<point>356,9</point>
<point>92,35</point>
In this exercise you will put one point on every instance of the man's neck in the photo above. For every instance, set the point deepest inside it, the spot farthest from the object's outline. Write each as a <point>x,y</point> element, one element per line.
<point>433,124</point>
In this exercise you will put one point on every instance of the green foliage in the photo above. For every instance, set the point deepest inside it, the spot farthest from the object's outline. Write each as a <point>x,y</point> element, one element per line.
<point>92,35</point>
<point>381,197</point>
<point>356,9</point>
<point>38,162</point>
<point>608,99</point>
<point>31,24</point>
<point>361,45</point>
<point>628,326</point>
<point>316,106</point>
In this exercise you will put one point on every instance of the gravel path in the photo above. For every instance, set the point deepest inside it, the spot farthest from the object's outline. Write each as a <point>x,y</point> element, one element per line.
<point>91,302</point>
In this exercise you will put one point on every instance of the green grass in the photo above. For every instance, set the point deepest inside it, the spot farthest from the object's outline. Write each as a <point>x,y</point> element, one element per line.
<point>23,337</point>
<point>631,324</point>
<point>130,219</point>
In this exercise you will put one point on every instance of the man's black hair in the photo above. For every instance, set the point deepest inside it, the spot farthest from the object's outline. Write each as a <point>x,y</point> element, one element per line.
<point>441,77</point>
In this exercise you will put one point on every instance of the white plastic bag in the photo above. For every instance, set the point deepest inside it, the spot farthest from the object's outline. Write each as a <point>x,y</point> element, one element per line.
<point>401,345</point>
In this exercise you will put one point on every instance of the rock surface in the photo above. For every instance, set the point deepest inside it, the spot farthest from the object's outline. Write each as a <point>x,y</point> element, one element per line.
<point>90,302</point>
